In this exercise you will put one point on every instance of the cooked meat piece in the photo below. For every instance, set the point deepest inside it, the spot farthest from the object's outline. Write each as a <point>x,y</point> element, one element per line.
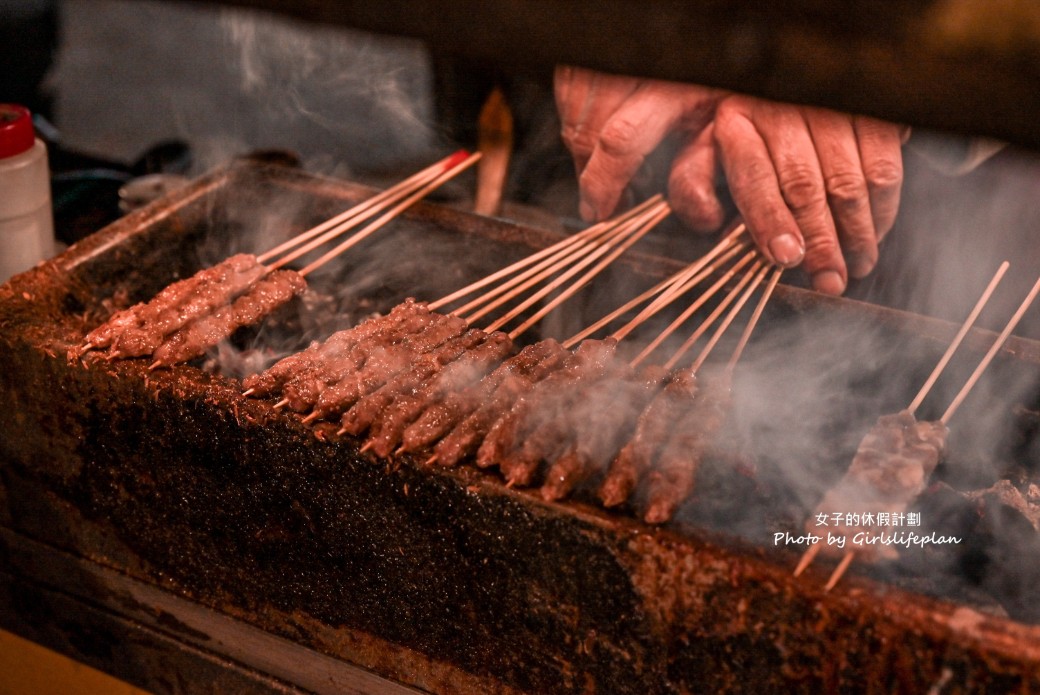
<point>439,418</point>
<point>674,474</point>
<point>603,419</point>
<point>304,389</point>
<point>890,469</point>
<point>337,344</point>
<point>207,298</point>
<point>385,362</point>
<point>389,427</point>
<point>502,388</point>
<point>273,291</point>
<point>172,296</point>
<point>652,429</point>
<point>367,409</point>
<point>539,404</point>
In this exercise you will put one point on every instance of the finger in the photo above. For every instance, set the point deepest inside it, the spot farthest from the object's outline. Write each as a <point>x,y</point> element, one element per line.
<point>691,183</point>
<point>632,132</point>
<point>797,163</point>
<point>753,184</point>
<point>585,101</point>
<point>846,188</point>
<point>880,149</point>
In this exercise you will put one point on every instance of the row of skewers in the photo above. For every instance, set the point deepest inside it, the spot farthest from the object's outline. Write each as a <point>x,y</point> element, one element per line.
<point>192,315</point>
<point>555,414</point>
<point>560,415</point>
<point>416,379</point>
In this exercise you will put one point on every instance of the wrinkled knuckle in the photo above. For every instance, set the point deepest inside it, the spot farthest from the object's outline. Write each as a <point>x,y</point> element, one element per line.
<point>619,136</point>
<point>802,191</point>
<point>846,192</point>
<point>885,174</point>
<point>821,251</point>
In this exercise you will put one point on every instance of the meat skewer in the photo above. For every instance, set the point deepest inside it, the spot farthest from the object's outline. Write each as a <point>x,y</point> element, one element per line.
<point>277,375</point>
<point>505,439</point>
<point>463,417</point>
<point>672,478</point>
<point>389,426</point>
<point>303,390</point>
<point>601,428</point>
<point>897,456</point>
<point>664,434</point>
<point>194,339</point>
<point>361,415</point>
<point>635,458</point>
<point>382,364</point>
<point>142,329</point>
<point>173,295</point>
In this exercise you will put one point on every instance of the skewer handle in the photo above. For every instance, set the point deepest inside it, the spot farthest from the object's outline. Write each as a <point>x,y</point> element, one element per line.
<point>933,377</point>
<point>988,357</point>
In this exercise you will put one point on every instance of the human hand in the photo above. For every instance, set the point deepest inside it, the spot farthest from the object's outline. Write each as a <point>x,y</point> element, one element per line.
<point>611,123</point>
<point>816,188</point>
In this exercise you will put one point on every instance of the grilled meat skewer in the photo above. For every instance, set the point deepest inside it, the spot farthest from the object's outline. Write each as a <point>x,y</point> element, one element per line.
<point>652,428</point>
<point>603,420</point>
<point>277,375</point>
<point>674,473</point>
<point>361,415</point>
<point>890,469</point>
<point>140,315</point>
<point>192,340</point>
<point>440,418</point>
<point>389,427</point>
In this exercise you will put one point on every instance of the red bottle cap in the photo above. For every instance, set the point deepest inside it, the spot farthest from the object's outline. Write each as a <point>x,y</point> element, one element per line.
<point>16,130</point>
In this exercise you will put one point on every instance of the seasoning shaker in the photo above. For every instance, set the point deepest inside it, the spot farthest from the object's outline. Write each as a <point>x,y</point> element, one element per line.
<point>26,216</point>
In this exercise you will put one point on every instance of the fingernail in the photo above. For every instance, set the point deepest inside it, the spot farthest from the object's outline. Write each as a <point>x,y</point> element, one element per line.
<point>861,267</point>
<point>828,282</point>
<point>786,250</point>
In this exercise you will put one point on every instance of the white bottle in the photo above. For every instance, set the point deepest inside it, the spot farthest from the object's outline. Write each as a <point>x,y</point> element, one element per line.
<point>26,217</point>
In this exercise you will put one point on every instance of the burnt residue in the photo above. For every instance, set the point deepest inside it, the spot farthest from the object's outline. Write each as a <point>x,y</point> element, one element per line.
<point>238,506</point>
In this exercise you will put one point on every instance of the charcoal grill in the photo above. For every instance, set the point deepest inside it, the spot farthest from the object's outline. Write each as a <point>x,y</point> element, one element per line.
<point>161,518</point>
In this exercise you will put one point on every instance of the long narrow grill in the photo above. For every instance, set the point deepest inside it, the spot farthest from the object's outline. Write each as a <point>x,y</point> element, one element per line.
<point>243,508</point>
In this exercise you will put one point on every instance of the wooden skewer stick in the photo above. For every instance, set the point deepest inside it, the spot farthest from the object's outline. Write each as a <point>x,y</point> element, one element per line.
<point>387,217</point>
<point>572,240</point>
<point>839,571</point>
<point>366,209</point>
<point>632,228</point>
<point>690,310</point>
<point>728,320</point>
<point>586,257</point>
<point>588,276</point>
<point>934,376</point>
<point>753,321</point>
<point>535,274</point>
<point>673,293</point>
<point>715,314</point>
<point>281,404</point>
<point>988,357</point>
<point>950,350</point>
<point>807,557</point>
<point>701,268</point>
<point>681,286</point>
